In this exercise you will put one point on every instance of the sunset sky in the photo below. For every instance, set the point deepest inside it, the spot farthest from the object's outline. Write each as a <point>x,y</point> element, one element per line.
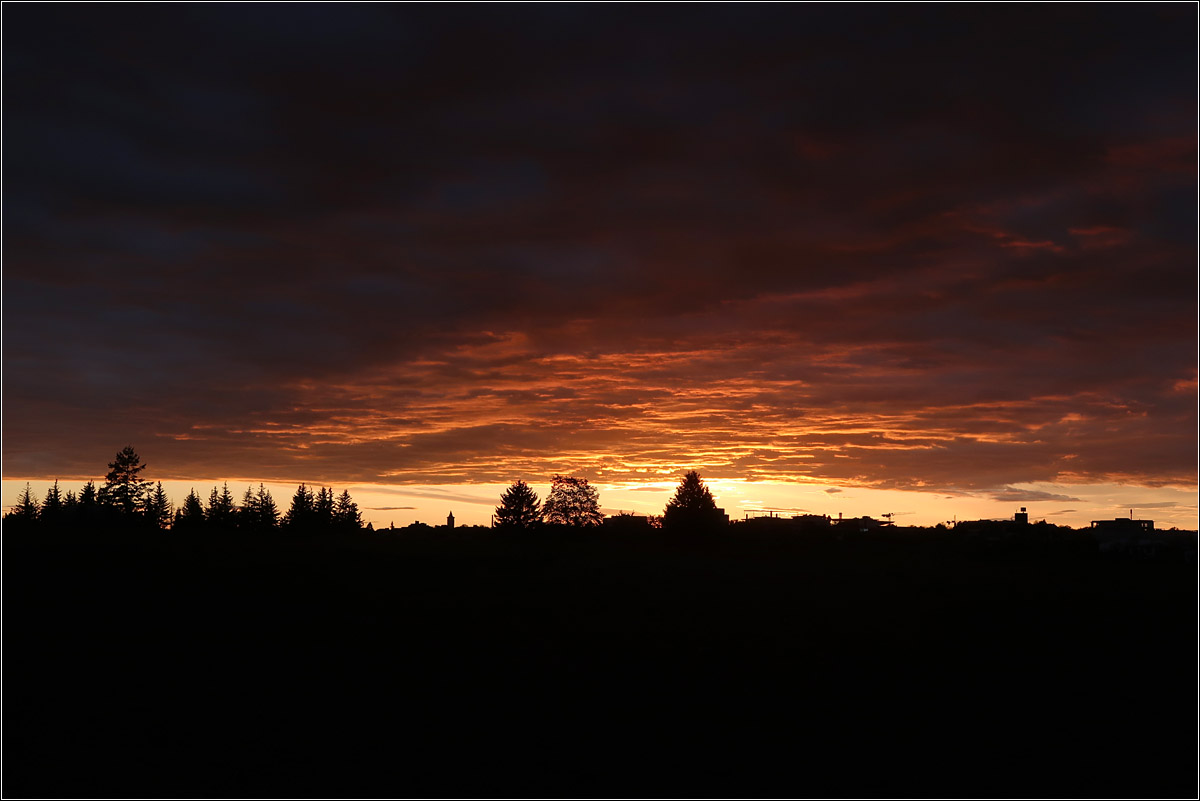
<point>930,260</point>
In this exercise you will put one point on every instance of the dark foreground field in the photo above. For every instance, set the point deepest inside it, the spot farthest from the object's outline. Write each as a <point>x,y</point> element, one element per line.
<point>471,665</point>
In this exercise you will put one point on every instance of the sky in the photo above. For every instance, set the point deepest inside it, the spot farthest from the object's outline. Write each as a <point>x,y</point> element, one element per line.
<point>933,260</point>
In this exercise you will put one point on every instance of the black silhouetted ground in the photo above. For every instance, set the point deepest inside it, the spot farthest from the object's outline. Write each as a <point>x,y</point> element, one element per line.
<point>474,664</point>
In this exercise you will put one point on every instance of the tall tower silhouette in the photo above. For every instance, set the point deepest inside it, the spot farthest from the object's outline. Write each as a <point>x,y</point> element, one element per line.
<point>450,520</point>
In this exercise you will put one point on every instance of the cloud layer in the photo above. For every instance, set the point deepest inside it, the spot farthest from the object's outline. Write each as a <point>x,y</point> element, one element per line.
<point>939,248</point>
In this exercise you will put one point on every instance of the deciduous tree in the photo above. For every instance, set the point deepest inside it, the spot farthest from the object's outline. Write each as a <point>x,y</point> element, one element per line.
<point>572,502</point>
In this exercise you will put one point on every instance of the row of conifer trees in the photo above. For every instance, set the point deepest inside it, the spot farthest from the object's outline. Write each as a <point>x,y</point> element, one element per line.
<point>126,499</point>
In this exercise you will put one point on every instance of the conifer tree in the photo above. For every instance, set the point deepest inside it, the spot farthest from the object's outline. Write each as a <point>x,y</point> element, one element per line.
<point>268,512</point>
<point>519,508</point>
<point>158,508</point>
<point>247,513</point>
<point>221,512</point>
<point>323,509</point>
<point>26,508</point>
<point>88,509</point>
<point>124,488</point>
<point>346,514</point>
<point>692,505</point>
<point>299,516</point>
<point>191,515</point>
<point>70,505</point>
<point>52,511</point>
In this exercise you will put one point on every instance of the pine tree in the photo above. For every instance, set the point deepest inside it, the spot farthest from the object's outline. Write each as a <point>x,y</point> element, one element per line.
<point>158,508</point>
<point>247,513</point>
<point>191,515</point>
<point>52,512</point>
<point>299,516</point>
<point>124,488</point>
<point>572,502</point>
<point>26,508</point>
<point>268,512</point>
<point>346,514</point>
<point>221,512</point>
<point>693,504</point>
<point>70,505</point>
<point>88,510</point>
<point>519,508</point>
<point>323,508</point>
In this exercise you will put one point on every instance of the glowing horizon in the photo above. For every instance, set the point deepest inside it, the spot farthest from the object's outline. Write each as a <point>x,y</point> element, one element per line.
<point>472,504</point>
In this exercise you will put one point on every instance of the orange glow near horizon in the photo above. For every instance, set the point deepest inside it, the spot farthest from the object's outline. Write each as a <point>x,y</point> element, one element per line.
<point>472,504</point>
<point>848,423</point>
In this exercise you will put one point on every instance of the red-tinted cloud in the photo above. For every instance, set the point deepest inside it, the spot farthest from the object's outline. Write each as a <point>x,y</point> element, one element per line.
<point>437,254</point>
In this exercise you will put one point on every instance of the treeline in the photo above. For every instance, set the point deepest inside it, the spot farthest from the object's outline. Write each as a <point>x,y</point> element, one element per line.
<point>127,500</point>
<point>573,502</point>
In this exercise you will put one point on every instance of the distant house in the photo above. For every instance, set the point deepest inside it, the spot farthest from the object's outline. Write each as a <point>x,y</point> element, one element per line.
<point>625,521</point>
<point>1000,529</point>
<point>1125,534</point>
<point>1125,526</point>
<point>860,524</point>
<point>772,519</point>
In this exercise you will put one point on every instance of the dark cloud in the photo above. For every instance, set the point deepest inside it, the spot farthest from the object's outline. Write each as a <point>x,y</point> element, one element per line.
<point>915,247</point>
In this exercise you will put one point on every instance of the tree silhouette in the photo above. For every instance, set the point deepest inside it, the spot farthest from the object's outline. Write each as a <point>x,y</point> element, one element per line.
<point>323,508</point>
<point>70,505</point>
<point>693,504</point>
<point>26,508</point>
<point>345,513</point>
<point>89,504</point>
<point>124,489</point>
<point>221,511</point>
<point>158,508</point>
<point>53,509</point>
<point>300,515</point>
<point>190,516</point>
<point>572,502</point>
<point>268,512</point>
<point>247,513</point>
<point>519,508</point>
